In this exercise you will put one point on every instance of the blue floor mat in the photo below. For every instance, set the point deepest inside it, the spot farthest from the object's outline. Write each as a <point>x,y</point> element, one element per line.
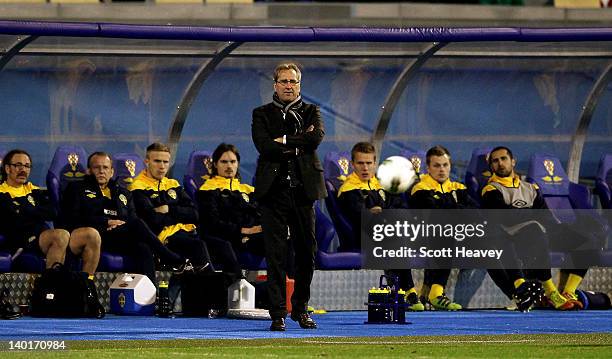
<point>334,324</point>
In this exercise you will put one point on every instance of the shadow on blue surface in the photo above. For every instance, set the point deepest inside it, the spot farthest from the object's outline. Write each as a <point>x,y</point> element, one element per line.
<point>334,324</point>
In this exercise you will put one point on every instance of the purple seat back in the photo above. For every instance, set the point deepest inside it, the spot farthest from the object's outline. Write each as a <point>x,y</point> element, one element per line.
<point>69,164</point>
<point>127,166</point>
<point>336,167</point>
<point>477,173</point>
<point>2,153</point>
<point>417,158</point>
<point>199,167</point>
<point>548,173</point>
<point>603,181</point>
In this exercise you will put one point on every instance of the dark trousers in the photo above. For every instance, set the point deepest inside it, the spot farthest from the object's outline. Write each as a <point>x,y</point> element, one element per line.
<point>403,276</point>
<point>189,245</point>
<point>436,276</point>
<point>224,252</point>
<point>288,207</point>
<point>136,240</point>
<point>528,253</point>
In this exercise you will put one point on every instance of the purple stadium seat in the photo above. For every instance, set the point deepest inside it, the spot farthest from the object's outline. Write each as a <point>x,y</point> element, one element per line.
<point>2,153</point>
<point>113,262</point>
<point>417,157</point>
<point>562,196</point>
<point>198,170</point>
<point>603,181</point>
<point>559,193</point>
<point>326,258</point>
<point>419,162</point>
<point>69,164</point>
<point>5,257</point>
<point>336,167</point>
<point>477,173</point>
<point>127,166</point>
<point>28,262</point>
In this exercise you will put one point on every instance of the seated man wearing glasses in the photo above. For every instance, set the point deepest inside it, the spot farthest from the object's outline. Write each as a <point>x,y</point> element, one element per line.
<point>25,210</point>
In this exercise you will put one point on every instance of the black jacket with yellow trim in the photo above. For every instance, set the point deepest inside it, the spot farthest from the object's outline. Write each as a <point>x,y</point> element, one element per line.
<point>355,195</point>
<point>84,205</point>
<point>226,206</point>
<point>149,193</point>
<point>430,194</point>
<point>24,210</point>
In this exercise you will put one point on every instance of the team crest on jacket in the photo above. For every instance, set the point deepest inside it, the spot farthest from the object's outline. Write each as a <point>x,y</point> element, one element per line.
<point>31,200</point>
<point>123,199</point>
<point>245,197</point>
<point>172,194</point>
<point>381,192</point>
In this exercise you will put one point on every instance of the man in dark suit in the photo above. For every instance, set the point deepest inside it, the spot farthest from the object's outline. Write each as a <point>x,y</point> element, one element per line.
<point>289,178</point>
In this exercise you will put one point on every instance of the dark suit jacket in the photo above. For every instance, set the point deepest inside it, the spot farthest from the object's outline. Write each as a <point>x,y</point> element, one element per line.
<point>268,124</point>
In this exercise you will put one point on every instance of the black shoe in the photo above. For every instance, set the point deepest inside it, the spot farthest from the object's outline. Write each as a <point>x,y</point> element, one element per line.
<point>278,325</point>
<point>182,267</point>
<point>305,321</point>
<point>95,308</point>
<point>7,311</point>
<point>527,294</point>
<point>188,267</point>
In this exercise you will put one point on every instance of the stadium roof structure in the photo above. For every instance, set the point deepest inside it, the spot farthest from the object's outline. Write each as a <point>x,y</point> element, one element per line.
<point>575,50</point>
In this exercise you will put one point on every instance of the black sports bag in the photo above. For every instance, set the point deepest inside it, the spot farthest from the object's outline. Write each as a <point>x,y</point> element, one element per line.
<point>60,292</point>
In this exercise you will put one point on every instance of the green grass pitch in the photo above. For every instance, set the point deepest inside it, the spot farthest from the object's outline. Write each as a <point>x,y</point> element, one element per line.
<point>468,346</point>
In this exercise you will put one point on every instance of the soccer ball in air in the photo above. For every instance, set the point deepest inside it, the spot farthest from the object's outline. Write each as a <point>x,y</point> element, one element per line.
<point>396,174</point>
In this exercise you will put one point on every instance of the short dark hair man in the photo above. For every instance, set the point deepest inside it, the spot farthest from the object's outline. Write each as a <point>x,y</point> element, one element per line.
<point>361,190</point>
<point>505,190</point>
<point>167,209</point>
<point>436,190</point>
<point>289,178</point>
<point>99,203</point>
